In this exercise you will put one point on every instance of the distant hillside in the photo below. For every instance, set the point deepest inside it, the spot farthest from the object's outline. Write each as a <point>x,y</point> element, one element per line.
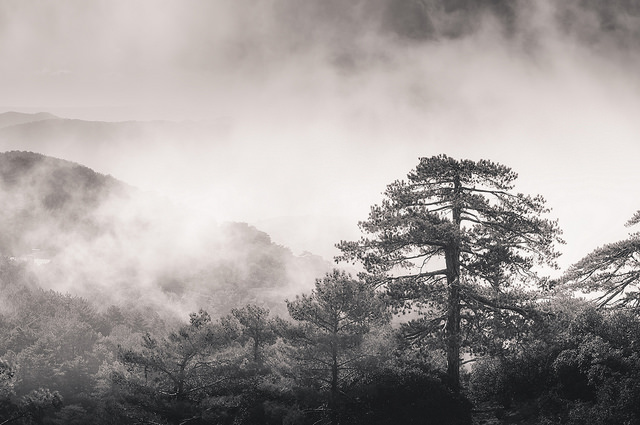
<point>300,232</point>
<point>100,238</point>
<point>15,118</point>
<point>139,152</point>
<point>44,198</point>
<point>88,138</point>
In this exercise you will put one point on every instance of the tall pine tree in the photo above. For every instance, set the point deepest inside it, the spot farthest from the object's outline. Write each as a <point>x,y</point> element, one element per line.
<point>454,240</point>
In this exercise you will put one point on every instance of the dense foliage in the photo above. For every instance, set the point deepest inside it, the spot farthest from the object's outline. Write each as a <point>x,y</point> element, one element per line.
<point>64,361</point>
<point>583,367</point>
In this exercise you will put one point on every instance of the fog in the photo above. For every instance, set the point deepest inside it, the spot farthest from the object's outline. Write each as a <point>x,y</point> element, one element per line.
<point>90,235</point>
<point>305,110</point>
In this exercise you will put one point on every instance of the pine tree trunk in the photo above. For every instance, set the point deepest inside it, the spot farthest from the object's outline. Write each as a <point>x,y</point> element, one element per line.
<point>452,329</point>
<point>333,400</point>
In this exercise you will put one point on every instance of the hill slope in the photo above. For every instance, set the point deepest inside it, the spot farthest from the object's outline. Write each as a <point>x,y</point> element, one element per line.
<point>8,119</point>
<point>105,240</point>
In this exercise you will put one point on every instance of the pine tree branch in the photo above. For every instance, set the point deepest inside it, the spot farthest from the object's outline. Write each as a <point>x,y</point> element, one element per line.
<point>495,305</point>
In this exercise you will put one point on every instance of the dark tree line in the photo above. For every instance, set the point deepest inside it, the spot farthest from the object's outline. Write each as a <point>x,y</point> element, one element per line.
<point>331,361</point>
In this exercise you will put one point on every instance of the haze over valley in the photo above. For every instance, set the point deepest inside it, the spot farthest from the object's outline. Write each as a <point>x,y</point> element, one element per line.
<point>94,236</point>
<point>294,110</point>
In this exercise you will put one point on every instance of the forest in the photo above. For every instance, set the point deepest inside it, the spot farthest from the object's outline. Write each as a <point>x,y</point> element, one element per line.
<point>451,309</point>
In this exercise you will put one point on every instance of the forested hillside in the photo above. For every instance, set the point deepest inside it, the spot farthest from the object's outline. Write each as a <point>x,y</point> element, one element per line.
<point>454,320</point>
<point>91,235</point>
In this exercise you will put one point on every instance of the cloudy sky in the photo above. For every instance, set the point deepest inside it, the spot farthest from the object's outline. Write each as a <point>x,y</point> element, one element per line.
<point>324,102</point>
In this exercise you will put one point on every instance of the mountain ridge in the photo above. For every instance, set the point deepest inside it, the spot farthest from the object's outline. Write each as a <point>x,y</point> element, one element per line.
<point>11,118</point>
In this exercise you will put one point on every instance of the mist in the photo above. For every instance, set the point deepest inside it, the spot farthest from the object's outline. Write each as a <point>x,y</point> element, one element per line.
<point>82,233</point>
<point>316,106</point>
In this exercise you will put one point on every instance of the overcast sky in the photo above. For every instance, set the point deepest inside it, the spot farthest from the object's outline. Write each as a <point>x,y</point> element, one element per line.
<point>327,103</point>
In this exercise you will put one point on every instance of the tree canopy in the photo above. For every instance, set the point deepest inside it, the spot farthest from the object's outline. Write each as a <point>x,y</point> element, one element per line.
<point>612,271</point>
<point>336,317</point>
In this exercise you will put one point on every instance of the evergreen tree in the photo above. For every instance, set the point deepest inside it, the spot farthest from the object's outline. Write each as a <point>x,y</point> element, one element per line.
<point>336,317</point>
<point>453,240</point>
<point>611,271</point>
<point>169,377</point>
<point>256,326</point>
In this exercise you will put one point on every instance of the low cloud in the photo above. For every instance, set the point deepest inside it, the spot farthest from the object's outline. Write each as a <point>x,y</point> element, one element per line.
<point>326,102</point>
